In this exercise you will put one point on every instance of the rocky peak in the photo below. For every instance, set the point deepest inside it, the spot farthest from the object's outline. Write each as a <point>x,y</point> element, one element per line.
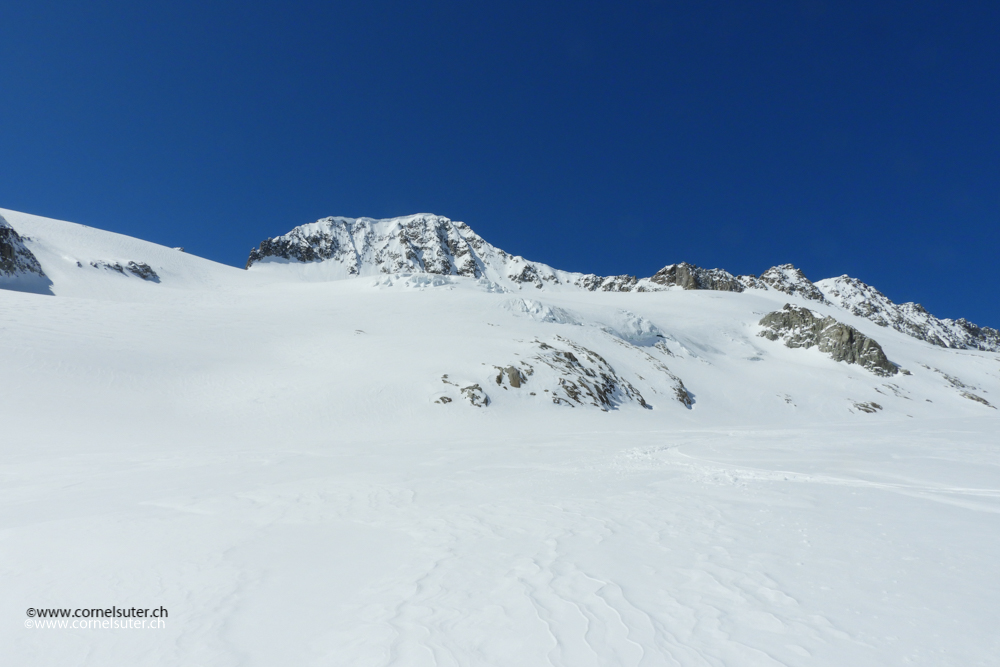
<point>691,277</point>
<point>790,280</point>
<point>422,243</point>
<point>416,243</point>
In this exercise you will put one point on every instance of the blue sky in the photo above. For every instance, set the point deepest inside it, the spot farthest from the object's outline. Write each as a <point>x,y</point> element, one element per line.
<point>843,137</point>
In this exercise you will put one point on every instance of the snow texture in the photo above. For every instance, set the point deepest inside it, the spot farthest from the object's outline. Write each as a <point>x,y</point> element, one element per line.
<point>409,468</point>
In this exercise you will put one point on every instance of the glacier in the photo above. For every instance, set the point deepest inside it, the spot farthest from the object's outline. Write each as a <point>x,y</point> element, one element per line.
<point>625,471</point>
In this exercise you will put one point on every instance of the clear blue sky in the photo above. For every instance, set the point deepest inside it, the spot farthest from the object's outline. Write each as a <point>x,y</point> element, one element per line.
<point>841,136</point>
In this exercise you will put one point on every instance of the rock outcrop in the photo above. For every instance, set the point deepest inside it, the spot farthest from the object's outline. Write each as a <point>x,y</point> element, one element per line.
<point>801,327</point>
<point>690,277</point>
<point>15,258</point>
<point>19,268</point>
<point>137,269</point>
<point>584,377</point>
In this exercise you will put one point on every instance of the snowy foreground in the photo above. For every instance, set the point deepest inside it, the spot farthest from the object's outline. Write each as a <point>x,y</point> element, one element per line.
<point>270,459</point>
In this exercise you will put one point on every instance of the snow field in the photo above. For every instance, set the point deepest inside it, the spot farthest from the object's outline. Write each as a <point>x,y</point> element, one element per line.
<point>265,459</point>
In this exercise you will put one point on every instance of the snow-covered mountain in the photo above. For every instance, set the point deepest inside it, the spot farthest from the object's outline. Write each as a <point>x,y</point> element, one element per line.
<point>423,243</point>
<point>912,319</point>
<point>390,443</point>
<point>339,247</point>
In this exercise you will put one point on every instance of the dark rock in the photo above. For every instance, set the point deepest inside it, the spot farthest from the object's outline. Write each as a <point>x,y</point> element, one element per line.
<point>977,399</point>
<point>595,283</point>
<point>475,395</point>
<point>691,277</point>
<point>514,376</point>
<point>15,258</point>
<point>801,327</point>
<point>143,270</point>
<point>585,377</point>
<point>137,269</point>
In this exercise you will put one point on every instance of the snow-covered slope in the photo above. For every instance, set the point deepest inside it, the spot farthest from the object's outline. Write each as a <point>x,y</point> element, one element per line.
<point>82,261</point>
<point>412,468</point>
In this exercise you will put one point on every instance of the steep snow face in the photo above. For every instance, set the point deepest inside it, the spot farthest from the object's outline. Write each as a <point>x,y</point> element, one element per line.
<point>19,268</point>
<point>912,319</point>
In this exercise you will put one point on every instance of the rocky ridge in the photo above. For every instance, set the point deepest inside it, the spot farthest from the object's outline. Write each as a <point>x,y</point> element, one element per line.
<point>137,269</point>
<point>912,319</point>
<point>426,243</point>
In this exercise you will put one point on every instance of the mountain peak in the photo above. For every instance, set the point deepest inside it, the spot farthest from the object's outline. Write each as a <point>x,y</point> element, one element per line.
<point>420,243</point>
<point>338,247</point>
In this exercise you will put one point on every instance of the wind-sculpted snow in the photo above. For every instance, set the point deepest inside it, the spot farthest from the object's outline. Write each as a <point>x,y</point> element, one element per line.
<point>912,319</point>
